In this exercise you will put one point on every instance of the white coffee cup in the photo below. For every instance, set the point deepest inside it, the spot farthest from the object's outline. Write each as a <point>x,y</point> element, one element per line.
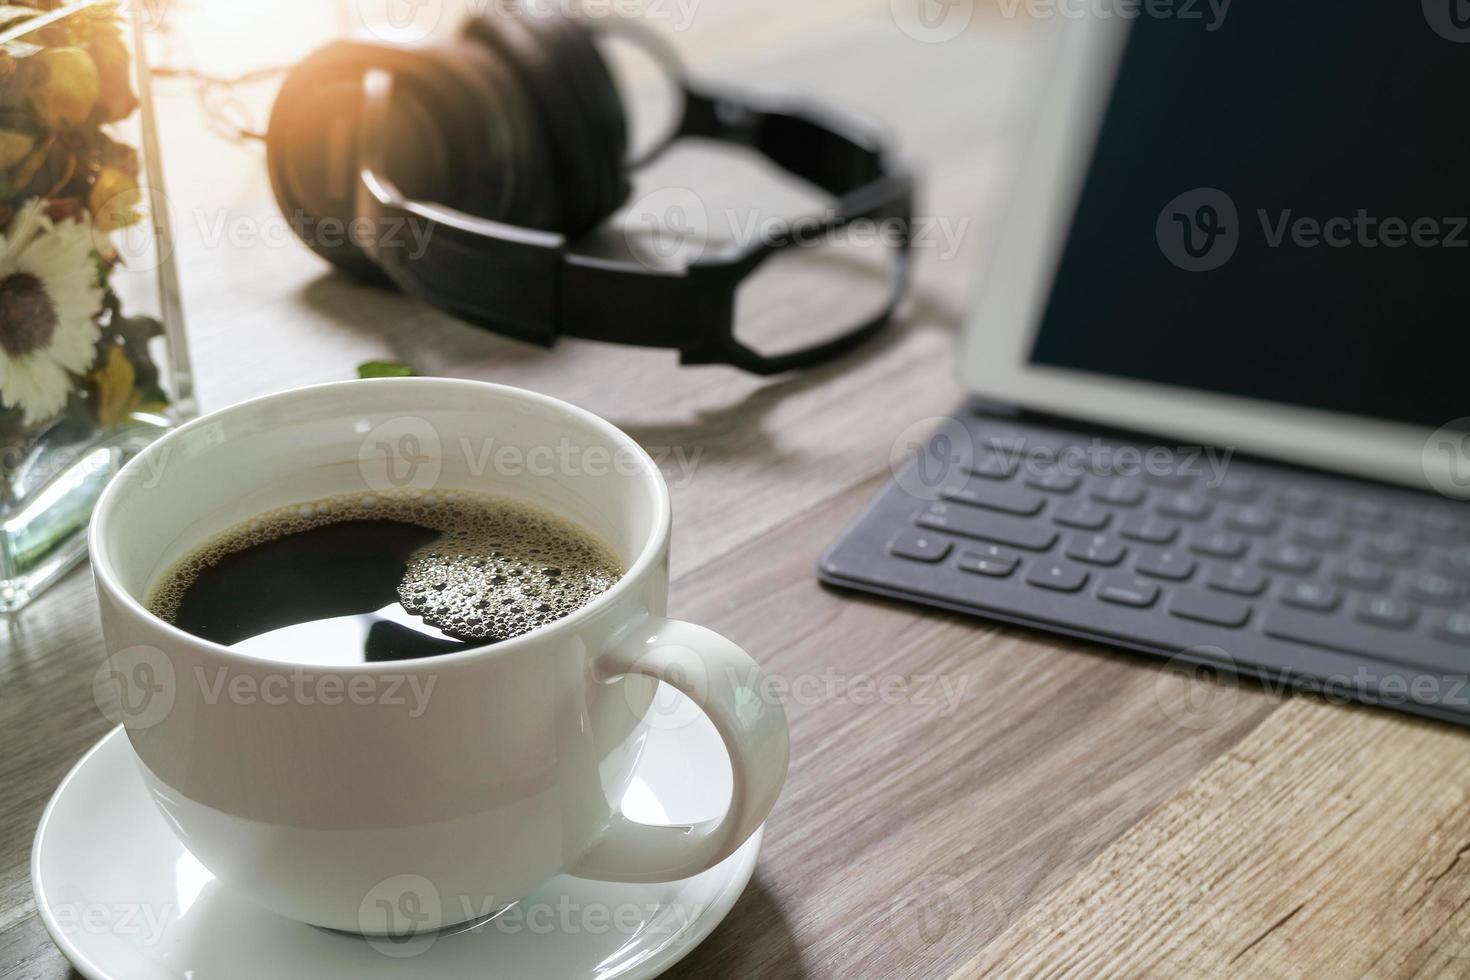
<point>455,783</point>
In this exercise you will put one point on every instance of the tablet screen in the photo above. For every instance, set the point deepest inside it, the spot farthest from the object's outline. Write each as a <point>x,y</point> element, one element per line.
<point>1277,209</point>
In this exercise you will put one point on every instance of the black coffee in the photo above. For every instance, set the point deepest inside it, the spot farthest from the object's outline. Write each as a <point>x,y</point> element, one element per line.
<point>374,578</point>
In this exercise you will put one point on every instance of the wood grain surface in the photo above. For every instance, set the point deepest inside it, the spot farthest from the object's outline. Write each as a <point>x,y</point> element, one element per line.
<point>1331,841</point>
<point>964,799</point>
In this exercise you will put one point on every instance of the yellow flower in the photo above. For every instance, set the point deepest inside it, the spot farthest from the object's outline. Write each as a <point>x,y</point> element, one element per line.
<point>14,147</point>
<point>25,171</point>
<point>114,384</point>
<point>114,200</point>
<point>64,86</point>
<point>113,61</point>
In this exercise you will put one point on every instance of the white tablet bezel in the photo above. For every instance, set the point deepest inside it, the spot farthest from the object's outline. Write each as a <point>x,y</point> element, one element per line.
<point>1071,80</point>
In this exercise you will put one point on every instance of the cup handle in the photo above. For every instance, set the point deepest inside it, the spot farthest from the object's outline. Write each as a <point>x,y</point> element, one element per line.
<point>730,688</point>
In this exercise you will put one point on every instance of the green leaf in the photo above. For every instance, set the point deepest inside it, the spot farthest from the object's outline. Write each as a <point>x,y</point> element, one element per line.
<point>385,369</point>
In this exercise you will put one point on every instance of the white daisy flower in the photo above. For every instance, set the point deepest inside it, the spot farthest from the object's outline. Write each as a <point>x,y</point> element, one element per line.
<point>49,299</point>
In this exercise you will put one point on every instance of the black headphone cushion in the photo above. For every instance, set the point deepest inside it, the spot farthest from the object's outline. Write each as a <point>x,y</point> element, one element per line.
<point>456,137</point>
<point>577,99</point>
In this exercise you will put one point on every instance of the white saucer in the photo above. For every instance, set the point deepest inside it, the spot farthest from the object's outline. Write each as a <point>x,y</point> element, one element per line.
<point>124,900</point>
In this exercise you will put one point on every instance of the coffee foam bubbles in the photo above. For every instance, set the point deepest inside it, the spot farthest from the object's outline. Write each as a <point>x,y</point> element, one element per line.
<point>500,568</point>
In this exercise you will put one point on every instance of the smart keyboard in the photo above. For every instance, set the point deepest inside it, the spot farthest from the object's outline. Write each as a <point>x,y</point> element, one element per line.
<point>1304,580</point>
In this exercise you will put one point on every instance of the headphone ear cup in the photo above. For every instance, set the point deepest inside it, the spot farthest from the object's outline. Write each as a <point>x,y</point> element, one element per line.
<point>453,140</point>
<point>521,190</point>
<point>312,143</point>
<point>577,101</point>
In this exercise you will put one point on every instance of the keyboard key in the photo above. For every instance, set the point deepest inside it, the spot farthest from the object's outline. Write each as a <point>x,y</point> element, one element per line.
<point>1238,488</point>
<point>1456,561</point>
<point>994,466</point>
<point>1004,497</point>
<point>1252,520</point>
<point>917,546</point>
<point>1219,544</point>
<point>1397,545</point>
<point>1095,549</point>
<point>1012,446</point>
<point>1290,558</point>
<point>1185,506</point>
<point>1209,607</point>
<point>1368,513</point>
<point>1083,515</point>
<point>1429,587</point>
<point>1393,548</point>
<point>1454,627</point>
<point>1358,573</point>
<point>972,522</point>
<point>1120,493</point>
<point>1296,500</point>
<point>1239,579</point>
<point>1053,481</point>
<point>1396,646</point>
<point>1438,525</point>
<point>992,551</point>
<point>1312,596</point>
<point>1149,530</point>
<point>1134,556</point>
<point>1171,565</point>
<point>990,561</point>
<point>1174,474</point>
<point>1321,534</point>
<point>1125,590</point>
<point>1388,612</point>
<point>1057,576</point>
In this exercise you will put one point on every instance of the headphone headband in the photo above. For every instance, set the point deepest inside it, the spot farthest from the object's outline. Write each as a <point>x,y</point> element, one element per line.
<point>528,284</point>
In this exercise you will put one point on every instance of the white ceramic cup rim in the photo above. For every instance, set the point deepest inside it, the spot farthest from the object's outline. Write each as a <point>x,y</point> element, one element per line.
<point>650,553</point>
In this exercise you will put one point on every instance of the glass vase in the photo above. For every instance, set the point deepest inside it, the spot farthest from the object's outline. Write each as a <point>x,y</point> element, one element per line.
<point>93,364</point>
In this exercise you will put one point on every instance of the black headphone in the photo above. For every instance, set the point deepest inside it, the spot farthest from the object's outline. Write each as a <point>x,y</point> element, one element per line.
<point>515,131</point>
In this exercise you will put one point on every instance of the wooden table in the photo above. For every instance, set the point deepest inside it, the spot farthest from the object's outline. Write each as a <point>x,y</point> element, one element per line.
<point>1071,811</point>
